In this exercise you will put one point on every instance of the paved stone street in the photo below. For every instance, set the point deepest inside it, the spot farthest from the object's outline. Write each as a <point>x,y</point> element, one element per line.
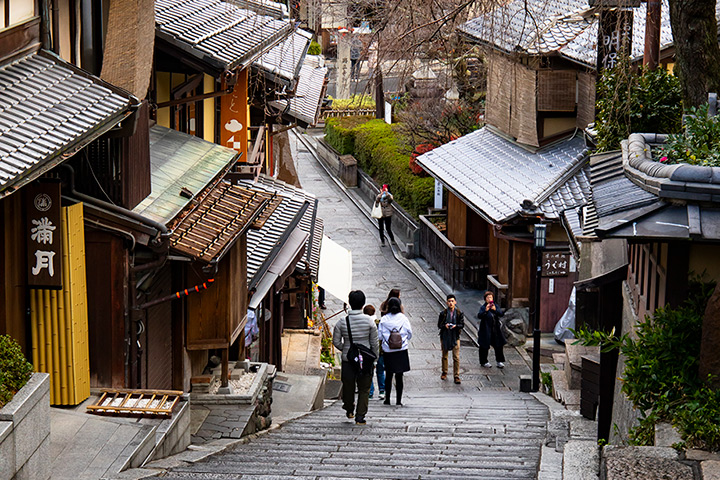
<point>483,428</point>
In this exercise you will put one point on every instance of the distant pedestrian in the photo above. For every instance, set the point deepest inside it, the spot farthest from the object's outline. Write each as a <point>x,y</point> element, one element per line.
<point>364,332</point>
<point>384,307</point>
<point>385,199</point>
<point>380,365</point>
<point>450,323</point>
<point>252,331</point>
<point>356,46</point>
<point>397,360</point>
<point>490,332</point>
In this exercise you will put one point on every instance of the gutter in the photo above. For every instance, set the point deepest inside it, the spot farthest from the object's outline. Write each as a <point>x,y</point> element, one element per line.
<point>162,231</point>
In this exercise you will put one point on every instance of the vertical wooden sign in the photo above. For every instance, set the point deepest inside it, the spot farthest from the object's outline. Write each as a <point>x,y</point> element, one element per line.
<point>43,231</point>
<point>234,117</point>
<point>614,37</point>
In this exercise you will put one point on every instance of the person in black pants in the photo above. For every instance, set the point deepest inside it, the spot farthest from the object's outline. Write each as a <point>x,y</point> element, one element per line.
<point>385,199</point>
<point>490,332</point>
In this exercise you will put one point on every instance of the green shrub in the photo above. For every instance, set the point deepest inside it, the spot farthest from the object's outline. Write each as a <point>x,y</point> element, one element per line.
<point>15,371</point>
<point>660,376</point>
<point>340,132</point>
<point>636,102</point>
<point>314,48</point>
<point>699,144</point>
<point>383,155</point>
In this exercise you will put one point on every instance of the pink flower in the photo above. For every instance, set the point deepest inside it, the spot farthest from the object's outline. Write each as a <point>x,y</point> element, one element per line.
<point>663,159</point>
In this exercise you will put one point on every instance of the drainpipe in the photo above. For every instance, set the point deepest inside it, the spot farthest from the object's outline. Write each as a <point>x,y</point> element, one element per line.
<point>163,232</point>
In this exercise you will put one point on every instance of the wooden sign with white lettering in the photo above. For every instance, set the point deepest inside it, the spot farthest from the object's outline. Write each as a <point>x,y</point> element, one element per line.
<point>43,230</point>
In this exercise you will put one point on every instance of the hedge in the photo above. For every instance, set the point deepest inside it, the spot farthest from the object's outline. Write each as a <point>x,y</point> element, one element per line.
<point>340,132</point>
<point>381,153</point>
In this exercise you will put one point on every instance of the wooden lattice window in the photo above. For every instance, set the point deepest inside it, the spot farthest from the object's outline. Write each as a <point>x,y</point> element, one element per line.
<point>556,90</point>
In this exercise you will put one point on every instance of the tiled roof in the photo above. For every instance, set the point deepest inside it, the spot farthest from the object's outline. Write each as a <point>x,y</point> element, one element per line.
<point>48,110</point>
<point>565,27</point>
<point>305,105</point>
<point>260,243</point>
<point>178,161</point>
<point>211,228</point>
<point>612,191</point>
<point>496,176</point>
<point>571,194</point>
<point>284,60</point>
<point>264,7</point>
<point>218,33</point>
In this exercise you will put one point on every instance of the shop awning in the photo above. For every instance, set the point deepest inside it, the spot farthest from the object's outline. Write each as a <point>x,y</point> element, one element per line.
<point>50,109</point>
<point>282,265</point>
<point>182,166</point>
<point>335,274</point>
<point>226,212</point>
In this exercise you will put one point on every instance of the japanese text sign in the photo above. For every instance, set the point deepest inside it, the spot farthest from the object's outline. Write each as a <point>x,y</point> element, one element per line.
<point>43,231</point>
<point>614,37</point>
<point>555,264</point>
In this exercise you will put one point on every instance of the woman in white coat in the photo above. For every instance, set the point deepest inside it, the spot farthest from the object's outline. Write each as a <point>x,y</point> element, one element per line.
<point>397,360</point>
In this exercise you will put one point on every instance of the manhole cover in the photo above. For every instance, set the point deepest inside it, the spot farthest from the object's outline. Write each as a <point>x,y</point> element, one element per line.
<point>281,386</point>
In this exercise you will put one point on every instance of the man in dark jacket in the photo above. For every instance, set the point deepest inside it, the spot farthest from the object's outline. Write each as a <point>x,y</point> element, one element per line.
<point>490,332</point>
<point>364,332</point>
<point>450,323</point>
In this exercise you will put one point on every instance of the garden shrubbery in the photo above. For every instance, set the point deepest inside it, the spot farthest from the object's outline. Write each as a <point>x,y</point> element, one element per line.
<point>661,372</point>
<point>635,102</point>
<point>15,371</point>
<point>382,154</point>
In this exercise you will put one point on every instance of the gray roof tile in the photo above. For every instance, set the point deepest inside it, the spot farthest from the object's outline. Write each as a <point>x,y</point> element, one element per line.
<point>261,242</point>
<point>565,27</point>
<point>217,32</point>
<point>47,108</point>
<point>496,175</point>
<point>285,59</point>
<point>305,105</point>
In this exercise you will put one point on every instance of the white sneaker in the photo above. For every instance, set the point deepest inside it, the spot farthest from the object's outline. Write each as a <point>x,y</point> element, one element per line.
<point>501,365</point>
<point>487,365</point>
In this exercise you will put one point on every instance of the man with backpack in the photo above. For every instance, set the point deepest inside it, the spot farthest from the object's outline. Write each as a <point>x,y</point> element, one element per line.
<point>358,331</point>
<point>450,323</point>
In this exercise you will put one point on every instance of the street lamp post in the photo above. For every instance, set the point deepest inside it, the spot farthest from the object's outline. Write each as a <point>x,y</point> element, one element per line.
<point>540,233</point>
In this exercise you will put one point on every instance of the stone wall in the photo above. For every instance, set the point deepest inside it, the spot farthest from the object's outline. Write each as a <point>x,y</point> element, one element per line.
<point>624,415</point>
<point>25,432</point>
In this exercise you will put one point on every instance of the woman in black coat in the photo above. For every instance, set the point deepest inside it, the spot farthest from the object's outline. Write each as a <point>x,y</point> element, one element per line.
<point>490,332</point>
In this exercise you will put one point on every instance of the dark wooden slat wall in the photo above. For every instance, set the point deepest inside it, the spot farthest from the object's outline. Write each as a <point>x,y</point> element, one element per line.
<point>106,262</point>
<point>136,161</point>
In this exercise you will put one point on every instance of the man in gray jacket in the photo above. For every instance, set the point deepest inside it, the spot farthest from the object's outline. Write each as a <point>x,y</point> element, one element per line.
<point>364,332</point>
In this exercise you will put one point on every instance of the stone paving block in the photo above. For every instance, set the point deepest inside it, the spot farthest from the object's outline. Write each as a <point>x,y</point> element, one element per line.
<point>581,460</point>
<point>710,469</point>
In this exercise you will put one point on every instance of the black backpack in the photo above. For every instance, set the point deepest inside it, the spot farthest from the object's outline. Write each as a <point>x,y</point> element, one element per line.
<point>360,357</point>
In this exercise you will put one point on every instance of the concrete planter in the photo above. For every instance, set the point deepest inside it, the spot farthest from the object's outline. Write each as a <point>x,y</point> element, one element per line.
<point>25,432</point>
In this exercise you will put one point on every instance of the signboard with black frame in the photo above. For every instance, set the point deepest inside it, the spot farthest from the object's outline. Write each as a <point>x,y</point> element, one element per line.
<point>43,231</point>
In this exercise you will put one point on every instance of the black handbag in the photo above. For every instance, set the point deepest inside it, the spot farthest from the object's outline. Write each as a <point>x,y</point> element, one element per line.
<point>360,357</point>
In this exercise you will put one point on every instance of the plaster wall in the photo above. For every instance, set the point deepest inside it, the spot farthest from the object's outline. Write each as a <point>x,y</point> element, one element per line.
<point>705,259</point>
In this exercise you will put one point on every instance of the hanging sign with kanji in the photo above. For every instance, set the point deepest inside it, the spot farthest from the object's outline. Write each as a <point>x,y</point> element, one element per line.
<point>614,37</point>
<point>555,264</point>
<point>43,231</point>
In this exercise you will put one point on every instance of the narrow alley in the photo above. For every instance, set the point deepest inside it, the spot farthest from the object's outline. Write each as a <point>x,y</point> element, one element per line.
<point>483,428</point>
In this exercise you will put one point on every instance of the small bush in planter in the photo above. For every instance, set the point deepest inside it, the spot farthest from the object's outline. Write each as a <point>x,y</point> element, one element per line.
<point>699,144</point>
<point>15,371</point>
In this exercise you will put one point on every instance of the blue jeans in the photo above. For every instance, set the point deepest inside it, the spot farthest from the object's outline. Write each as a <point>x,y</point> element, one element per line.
<point>380,367</point>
